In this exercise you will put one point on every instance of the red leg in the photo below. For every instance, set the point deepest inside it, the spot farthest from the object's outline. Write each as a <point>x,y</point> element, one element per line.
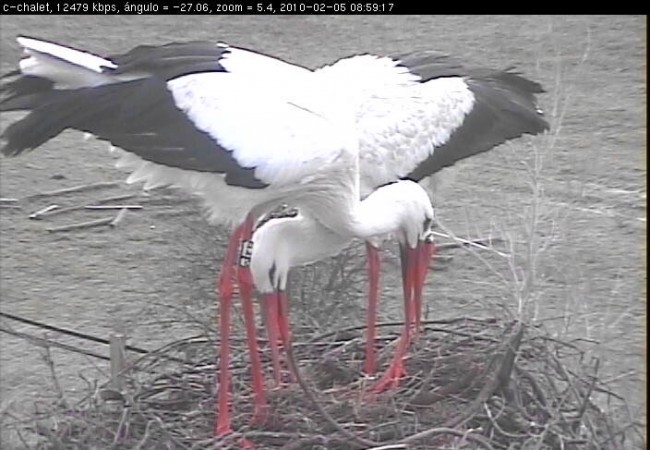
<point>283,320</point>
<point>283,317</point>
<point>225,284</point>
<point>245,279</point>
<point>222,425</point>
<point>225,288</point>
<point>396,369</point>
<point>270,302</point>
<point>370,365</point>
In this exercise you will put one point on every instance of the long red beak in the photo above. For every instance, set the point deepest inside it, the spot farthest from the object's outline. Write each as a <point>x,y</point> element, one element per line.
<point>415,266</point>
<point>425,250</point>
<point>370,364</point>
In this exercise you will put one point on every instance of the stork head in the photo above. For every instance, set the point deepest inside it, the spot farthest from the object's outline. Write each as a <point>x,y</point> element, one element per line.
<point>281,243</point>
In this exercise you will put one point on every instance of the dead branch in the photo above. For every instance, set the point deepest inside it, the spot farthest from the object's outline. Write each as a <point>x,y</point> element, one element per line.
<point>119,217</point>
<point>110,207</point>
<point>38,214</point>
<point>81,188</point>
<point>82,225</point>
<point>480,244</point>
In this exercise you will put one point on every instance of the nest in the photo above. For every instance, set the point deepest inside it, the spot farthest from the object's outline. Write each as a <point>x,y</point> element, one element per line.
<point>484,384</point>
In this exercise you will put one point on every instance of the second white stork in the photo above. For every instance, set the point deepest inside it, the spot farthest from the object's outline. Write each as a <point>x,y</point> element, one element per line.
<point>418,114</point>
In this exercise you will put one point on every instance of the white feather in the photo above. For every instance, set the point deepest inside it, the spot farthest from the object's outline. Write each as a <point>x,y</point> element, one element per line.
<point>224,204</point>
<point>82,59</point>
<point>366,75</point>
<point>67,67</point>
<point>398,133</point>
<point>279,244</point>
<point>271,70</point>
<point>400,120</point>
<point>285,136</point>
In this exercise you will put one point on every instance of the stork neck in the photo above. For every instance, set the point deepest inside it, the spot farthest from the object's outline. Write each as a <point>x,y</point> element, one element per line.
<point>361,219</point>
<point>370,218</point>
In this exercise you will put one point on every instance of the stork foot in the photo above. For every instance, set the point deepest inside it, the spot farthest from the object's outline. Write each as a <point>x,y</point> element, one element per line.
<point>391,379</point>
<point>241,442</point>
<point>223,429</point>
<point>260,414</point>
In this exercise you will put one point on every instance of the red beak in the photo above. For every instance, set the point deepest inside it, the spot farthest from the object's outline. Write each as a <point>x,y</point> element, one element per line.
<point>415,265</point>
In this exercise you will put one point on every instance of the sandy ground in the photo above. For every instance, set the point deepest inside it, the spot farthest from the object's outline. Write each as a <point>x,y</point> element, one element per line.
<point>152,276</point>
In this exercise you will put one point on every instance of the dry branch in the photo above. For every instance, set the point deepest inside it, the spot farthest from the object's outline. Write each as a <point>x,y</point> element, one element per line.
<point>81,188</point>
<point>41,212</point>
<point>119,217</point>
<point>82,225</point>
<point>99,204</point>
<point>110,207</point>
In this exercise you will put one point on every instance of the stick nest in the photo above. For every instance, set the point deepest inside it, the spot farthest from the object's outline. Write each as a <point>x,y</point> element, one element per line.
<point>471,383</point>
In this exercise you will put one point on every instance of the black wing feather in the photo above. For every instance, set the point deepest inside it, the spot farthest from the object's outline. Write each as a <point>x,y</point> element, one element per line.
<point>139,115</point>
<point>505,108</point>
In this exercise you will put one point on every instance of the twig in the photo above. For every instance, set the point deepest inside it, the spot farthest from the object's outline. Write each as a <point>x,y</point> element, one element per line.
<point>104,207</point>
<point>587,396</point>
<point>123,425</point>
<point>119,217</point>
<point>446,430</point>
<point>538,393</point>
<point>389,447</point>
<point>45,212</point>
<point>460,242</point>
<point>479,243</point>
<point>84,187</point>
<point>48,209</point>
<point>53,212</point>
<point>145,438</point>
<point>114,198</point>
<point>8,200</point>
<point>393,324</point>
<point>81,225</point>
<point>47,357</point>
<point>494,421</point>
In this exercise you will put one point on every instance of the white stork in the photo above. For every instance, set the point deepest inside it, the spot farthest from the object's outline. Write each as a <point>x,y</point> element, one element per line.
<point>419,113</point>
<point>197,116</point>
